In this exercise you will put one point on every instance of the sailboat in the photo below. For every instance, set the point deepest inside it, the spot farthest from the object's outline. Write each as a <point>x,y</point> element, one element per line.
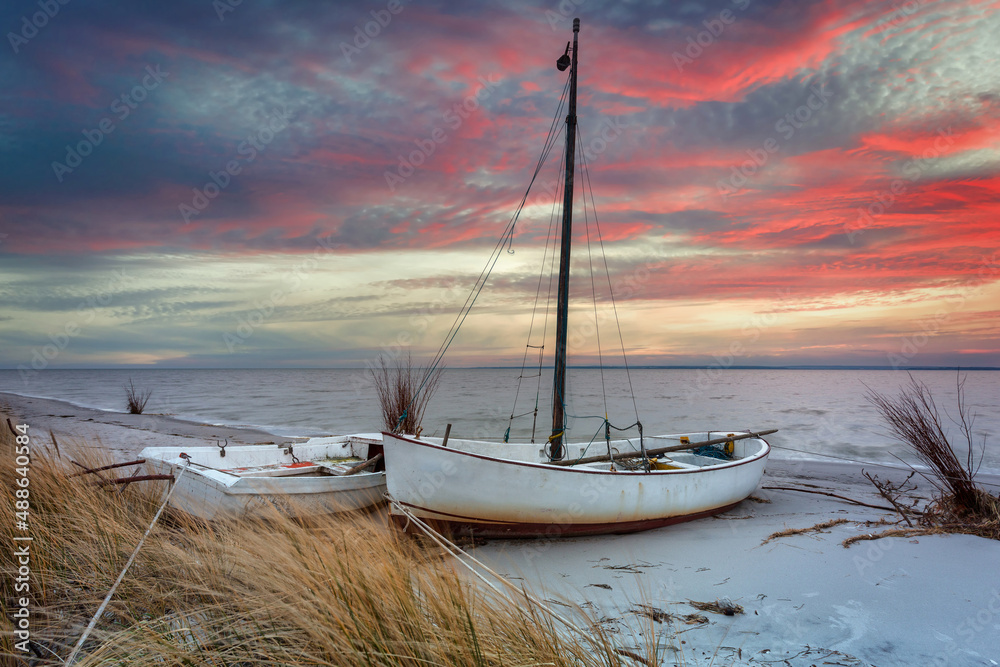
<point>504,489</point>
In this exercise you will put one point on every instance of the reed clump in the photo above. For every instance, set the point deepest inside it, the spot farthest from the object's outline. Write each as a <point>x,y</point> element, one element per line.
<point>135,398</point>
<point>403,392</point>
<point>960,505</point>
<point>259,591</point>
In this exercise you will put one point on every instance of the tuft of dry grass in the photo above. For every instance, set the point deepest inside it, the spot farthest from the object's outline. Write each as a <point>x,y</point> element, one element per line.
<point>960,506</point>
<point>819,527</point>
<point>259,591</point>
<point>725,606</point>
<point>894,532</point>
<point>403,392</point>
<point>136,399</point>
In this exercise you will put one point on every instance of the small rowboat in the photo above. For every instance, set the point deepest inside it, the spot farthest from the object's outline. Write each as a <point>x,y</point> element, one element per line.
<point>316,477</point>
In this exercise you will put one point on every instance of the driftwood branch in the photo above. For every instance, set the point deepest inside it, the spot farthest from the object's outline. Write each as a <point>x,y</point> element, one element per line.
<point>891,492</point>
<point>827,493</point>
<point>88,471</point>
<point>129,480</point>
<point>370,463</point>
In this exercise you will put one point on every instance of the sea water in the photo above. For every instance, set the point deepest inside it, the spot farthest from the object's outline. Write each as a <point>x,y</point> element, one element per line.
<point>817,412</point>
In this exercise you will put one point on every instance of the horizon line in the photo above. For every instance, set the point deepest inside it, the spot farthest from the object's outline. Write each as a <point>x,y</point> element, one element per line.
<point>716,367</point>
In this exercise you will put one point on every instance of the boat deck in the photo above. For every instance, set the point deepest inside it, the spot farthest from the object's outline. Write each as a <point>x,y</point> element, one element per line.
<point>320,468</point>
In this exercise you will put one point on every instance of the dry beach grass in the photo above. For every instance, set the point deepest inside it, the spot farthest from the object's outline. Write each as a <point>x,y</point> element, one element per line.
<point>264,591</point>
<point>960,504</point>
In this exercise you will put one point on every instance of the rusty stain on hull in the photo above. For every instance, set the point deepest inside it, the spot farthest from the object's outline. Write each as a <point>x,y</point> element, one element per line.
<point>473,528</point>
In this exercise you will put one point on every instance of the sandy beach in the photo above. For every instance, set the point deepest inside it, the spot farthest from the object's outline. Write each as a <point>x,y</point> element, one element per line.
<point>805,598</point>
<point>927,600</point>
<point>122,434</point>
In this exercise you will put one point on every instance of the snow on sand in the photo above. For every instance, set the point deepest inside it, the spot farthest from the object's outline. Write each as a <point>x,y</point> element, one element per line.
<point>806,599</point>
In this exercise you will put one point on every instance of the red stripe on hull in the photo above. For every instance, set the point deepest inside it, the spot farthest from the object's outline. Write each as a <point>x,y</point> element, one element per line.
<point>472,528</point>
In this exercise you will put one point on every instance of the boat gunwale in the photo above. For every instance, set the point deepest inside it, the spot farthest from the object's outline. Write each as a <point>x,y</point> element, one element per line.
<point>762,454</point>
<point>168,458</point>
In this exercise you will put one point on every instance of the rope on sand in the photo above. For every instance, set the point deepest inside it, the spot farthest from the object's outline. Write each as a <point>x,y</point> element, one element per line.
<point>827,493</point>
<point>100,610</point>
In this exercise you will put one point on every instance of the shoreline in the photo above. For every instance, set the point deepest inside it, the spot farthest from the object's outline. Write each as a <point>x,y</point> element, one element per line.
<point>121,434</point>
<point>927,599</point>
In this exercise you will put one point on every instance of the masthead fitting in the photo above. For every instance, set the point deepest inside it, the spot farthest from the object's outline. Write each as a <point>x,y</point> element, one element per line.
<point>564,60</point>
<point>576,25</point>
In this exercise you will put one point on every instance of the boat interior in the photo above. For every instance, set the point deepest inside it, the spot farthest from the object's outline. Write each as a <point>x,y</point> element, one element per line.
<point>698,457</point>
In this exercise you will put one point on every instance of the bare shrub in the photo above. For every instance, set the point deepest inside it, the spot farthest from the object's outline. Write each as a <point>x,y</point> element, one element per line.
<point>404,392</point>
<point>960,506</point>
<point>136,399</point>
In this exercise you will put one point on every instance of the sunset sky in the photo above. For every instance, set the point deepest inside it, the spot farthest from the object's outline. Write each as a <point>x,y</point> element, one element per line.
<point>305,184</point>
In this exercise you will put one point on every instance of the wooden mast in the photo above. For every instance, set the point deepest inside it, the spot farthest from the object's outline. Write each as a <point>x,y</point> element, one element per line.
<point>562,301</point>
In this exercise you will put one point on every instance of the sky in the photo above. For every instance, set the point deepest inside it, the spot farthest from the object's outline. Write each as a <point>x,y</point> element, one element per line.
<point>230,184</point>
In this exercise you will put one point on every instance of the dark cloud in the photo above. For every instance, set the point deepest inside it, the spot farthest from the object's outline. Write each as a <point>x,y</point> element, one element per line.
<point>806,112</point>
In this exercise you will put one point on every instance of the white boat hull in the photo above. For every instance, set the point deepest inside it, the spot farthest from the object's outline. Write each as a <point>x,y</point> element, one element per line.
<point>463,490</point>
<point>252,478</point>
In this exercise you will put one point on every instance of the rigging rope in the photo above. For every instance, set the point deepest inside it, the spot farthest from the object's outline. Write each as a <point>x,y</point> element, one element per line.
<point>593,286</point>
<point>503,243</point>
<point>585,178</point>
<point>549,238</point>
<point>607,272</point>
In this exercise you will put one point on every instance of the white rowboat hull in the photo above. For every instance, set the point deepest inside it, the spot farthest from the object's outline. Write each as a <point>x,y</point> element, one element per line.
<point>461,489</point>
<point>255,478</point>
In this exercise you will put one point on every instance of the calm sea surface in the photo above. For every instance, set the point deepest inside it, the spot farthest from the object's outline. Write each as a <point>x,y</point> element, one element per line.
<point>817,411</point>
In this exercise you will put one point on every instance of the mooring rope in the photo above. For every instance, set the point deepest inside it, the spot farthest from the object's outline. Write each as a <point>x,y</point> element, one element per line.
<point>891,466</point>
<point>100,610</point>
<point>458,553</point>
